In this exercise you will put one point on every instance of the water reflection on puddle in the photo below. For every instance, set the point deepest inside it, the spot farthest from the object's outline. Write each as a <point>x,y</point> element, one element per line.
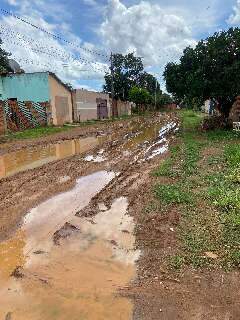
<point>31,158</point>
<point>147,134</point>
<point>79,278</point>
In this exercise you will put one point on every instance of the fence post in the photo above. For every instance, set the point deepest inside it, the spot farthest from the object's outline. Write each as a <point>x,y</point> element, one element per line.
<point>4,116</point>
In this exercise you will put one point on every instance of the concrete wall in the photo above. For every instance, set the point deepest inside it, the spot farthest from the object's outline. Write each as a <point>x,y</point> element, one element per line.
<point>170,106</point>
<point>25,87</point>
<point>85,105</point>
<point>124,108</point>
<point>61,99</point>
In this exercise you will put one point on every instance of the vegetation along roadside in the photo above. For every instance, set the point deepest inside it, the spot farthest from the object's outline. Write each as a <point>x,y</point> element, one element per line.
<point>201,180</point>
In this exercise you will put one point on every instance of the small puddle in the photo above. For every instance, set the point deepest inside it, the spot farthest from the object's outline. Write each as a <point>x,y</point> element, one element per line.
<point>78,276</point>
<point>146,134</point>
<point>30,158</point>
<point>151,141</point>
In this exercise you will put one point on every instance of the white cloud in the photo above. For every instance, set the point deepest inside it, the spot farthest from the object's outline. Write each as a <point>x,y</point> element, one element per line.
<point>234,18</point>
<point>12,2</point>
<point>152,32</point>
<point>37,51</point>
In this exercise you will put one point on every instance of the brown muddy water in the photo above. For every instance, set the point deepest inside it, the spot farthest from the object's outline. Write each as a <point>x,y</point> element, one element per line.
<point>30,158</point>
<point>78,275</point>
<point>33,157</point>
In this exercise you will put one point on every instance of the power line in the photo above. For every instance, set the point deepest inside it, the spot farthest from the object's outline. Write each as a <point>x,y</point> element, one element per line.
<point>6,12</point>
<point>49,67</point>
<point>30,42</point>
<point>56,53</point>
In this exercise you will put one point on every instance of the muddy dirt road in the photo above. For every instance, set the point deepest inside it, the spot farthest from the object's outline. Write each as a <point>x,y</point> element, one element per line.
<point>73,244</point>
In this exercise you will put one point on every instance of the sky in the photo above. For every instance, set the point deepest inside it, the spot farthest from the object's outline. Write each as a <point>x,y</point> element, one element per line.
<point>75,38</point>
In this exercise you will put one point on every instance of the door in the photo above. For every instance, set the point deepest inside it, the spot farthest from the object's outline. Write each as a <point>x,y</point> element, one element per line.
<point>102,110</point>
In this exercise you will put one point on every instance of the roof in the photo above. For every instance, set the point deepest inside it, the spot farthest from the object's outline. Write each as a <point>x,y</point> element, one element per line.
<point>50,73</point>
<point>90,91</point>
<point>59,81</point>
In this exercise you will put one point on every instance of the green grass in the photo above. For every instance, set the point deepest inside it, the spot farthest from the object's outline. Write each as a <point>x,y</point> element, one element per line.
<point>37,132</point>
<point>206,192</point>
<point>173,194</point>
<point>45,131</point>
<point>164,169</point>
<point>176,262</point>
<point>190,119</point>
<point>221,135</point>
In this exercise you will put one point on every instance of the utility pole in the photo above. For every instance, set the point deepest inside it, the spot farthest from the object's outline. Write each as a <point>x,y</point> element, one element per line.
<point>112,81</point>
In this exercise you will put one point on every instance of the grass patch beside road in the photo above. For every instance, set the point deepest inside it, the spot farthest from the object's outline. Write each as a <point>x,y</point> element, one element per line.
<point>46,131</point>
<point>37,132</point>
<point>203,172</point>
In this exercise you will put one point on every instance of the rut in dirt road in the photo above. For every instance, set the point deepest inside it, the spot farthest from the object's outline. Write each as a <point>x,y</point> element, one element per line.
<point>76,250</point>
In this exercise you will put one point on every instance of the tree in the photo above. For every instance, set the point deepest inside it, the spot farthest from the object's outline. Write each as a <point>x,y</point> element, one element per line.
<point>128,71</point>
<point>4,65</point>
<point>139,96</point>
<point>212,68</point>
<point>150,83</point>
<point>164,99</point>
<point>69,86</point>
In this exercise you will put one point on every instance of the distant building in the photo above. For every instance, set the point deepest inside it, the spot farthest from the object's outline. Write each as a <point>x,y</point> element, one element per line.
<point>207,106</point>
<point>170,106</point>
<point>234,115</point>
<point>90,105</point>
<point>39,87</point>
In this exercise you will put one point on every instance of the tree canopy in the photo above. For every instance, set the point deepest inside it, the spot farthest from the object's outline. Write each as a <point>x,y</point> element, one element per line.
<point>140,96</point>
<point>211,69</point>
<point>128,71</point>
<point>4,65</point>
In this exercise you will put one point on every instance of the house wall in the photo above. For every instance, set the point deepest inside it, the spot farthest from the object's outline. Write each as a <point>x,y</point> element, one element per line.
<point>85,105</point>
<point>170,106</point>
<point>234,114</point>
<point>206,106</point>
<point>25,87</point>
<point>124,108</point>
<point>2,123</point>
<point>60,101</point>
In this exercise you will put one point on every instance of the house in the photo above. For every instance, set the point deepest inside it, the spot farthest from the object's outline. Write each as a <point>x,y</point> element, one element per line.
<point>170,106</point>
<point>39,88</point>
<point>90,105</point>
<point>234,114</point>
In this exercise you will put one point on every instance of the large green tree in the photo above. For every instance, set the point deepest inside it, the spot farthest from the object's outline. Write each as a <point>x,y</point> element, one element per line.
<point>4,65</point>
<point>150,83</point>
<point>212,68</point>
<point>140,96</point>
<point>127,72</point>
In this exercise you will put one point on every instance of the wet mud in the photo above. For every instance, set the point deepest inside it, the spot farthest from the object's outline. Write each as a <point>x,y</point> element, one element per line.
<point>51,269</point>
<point>34,157</point>
<point>83,248</point>
<point>59,263</point>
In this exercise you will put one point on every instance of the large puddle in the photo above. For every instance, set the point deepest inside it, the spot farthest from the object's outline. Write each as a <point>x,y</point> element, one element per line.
<point>30,158</point>
<point>71,267</point>
<point>34,157</point>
